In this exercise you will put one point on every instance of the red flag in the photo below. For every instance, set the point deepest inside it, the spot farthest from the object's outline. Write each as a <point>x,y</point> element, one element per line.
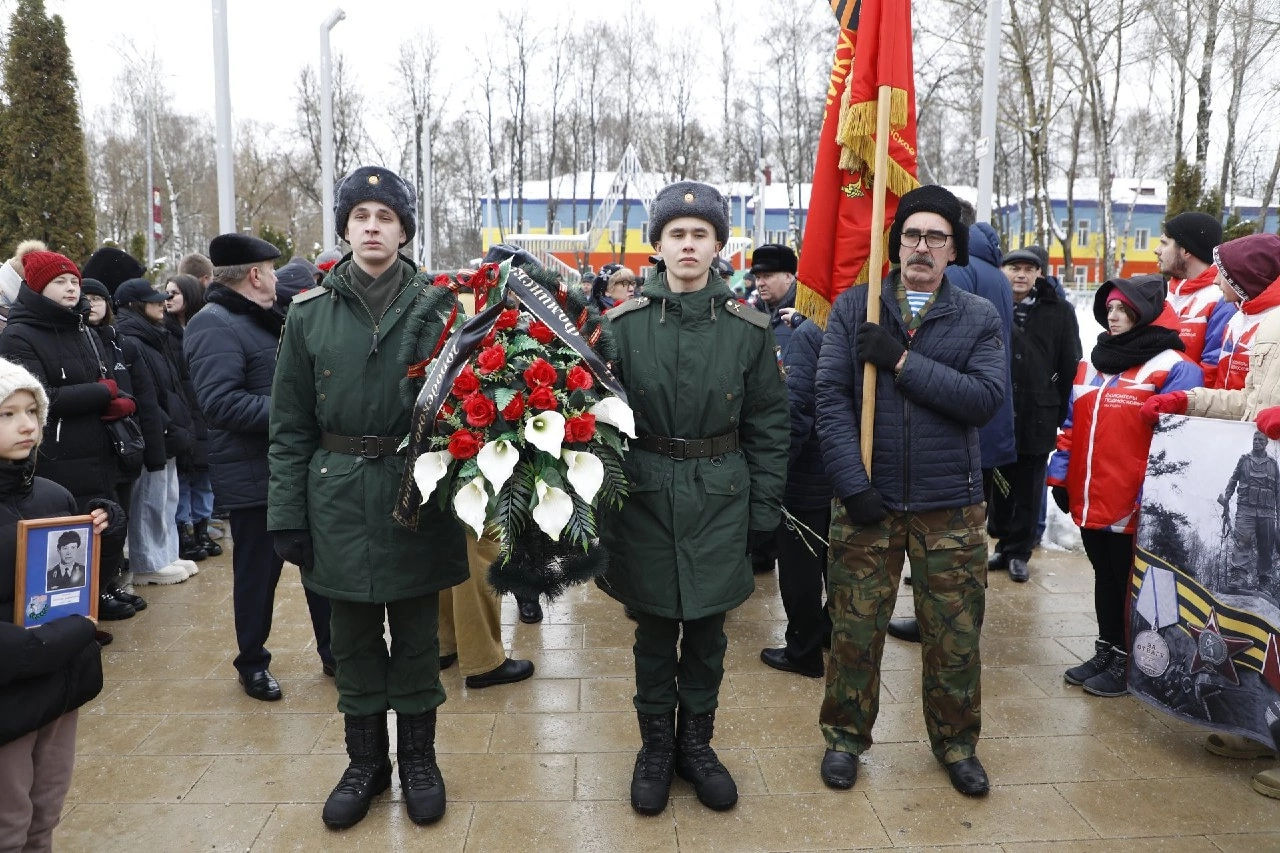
<point>875,43</point>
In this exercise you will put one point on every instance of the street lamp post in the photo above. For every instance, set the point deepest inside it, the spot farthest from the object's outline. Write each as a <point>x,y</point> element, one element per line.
<point>222,105</point>
<point>326,128</point>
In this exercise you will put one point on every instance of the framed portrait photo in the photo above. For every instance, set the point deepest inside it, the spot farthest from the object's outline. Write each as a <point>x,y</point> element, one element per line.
<point>57,570</point>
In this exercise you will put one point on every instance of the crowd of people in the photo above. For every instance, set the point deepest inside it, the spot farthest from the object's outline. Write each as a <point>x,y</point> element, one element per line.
<point>272,396</point>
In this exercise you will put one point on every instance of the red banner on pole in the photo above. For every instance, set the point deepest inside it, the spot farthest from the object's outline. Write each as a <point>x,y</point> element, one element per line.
<point>157,229</point>
<point>873,49</point>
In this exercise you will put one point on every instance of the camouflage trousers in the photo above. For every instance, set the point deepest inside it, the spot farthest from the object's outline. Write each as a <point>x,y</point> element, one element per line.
<point>948,551</point>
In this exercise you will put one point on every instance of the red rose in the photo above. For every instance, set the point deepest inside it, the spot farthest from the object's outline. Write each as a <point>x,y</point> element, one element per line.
<point>541,332</point>
<point>463,444</point>
<point>480,410</point>
<point>513,410</point>
<point>540,373</point>
<point>579,379</point>
<point>492,359</point>
<point>489,338</point>
<point>466,384</point>
<point>445,411</point>
<point>543,398</point>
<point>507,320</point>
<point>580,427</point>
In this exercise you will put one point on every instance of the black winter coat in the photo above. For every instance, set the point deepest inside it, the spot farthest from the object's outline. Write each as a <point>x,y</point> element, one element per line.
<point>231,346</point>
<point>926,453</point>
<point>1046,350</point>
<point>117,365</point>
<point>197,458</point>
<point>149,415</point>
<point>154,356</point>
<point>61,350</point>
<point>781,328</point>
<point>807,483</point>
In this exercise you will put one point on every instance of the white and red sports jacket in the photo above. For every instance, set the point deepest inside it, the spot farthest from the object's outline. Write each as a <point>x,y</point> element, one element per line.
<point>1102,448</point>
<point>1202,318</point>
<point>1237,342</point>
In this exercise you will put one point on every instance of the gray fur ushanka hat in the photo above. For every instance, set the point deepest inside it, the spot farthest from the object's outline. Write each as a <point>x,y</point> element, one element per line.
<point>689,198</point>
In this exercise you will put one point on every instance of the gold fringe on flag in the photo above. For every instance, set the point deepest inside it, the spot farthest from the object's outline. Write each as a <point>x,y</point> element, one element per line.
<point>856,135</point>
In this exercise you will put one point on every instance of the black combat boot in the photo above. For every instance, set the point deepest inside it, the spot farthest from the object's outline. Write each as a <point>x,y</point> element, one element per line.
<point>651,779</point>
<point>420,778</point>
<point>1102,652</point>
<point>213,549</point>
<point>368,774</point>
<point>696,761</point>
<point>188,549</point>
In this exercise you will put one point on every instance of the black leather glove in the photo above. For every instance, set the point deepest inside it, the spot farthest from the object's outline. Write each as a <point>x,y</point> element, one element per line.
<point>758,539</point>
<point>796,319</point>
<point>878,346</point>
<point>294,546</point>
<point>1061,498</point>
<point>865,507</point>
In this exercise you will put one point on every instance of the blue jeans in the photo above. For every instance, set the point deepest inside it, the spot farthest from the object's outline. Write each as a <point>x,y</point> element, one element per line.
<point>195,496</point>
<point>153,537</point>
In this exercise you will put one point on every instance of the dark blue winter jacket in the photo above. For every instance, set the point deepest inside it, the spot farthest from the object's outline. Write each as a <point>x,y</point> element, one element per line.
<point>807,484</point>
<point>231,346</point>
<point>984,278</point>
<point>925,453</point>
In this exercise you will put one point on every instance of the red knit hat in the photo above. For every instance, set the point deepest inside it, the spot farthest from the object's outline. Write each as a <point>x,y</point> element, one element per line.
<point>1249,264</point>
<point>1119,295</point>
<point>40,268</point>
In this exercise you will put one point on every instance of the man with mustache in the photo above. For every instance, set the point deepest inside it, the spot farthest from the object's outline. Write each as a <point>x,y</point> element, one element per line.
<point>941,366</point>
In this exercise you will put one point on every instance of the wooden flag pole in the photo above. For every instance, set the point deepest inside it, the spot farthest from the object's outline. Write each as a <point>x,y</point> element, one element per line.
<point>874,265</point>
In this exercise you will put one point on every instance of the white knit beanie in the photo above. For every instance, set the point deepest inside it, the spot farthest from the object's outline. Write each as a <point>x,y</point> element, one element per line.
<point>15,377</point>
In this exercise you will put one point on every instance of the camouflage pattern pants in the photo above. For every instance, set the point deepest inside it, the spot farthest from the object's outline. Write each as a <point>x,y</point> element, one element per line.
<point>1251,548</point>
<point>948,551</point>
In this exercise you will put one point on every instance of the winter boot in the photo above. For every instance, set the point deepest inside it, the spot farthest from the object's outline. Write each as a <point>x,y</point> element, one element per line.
<point>651,779</point>
<point>213,549</point>
<point>1098,663</point>
<point>368,774</point>
<point>1111,681</point>
<point>420,779</point>
<point>188,548</point>
<point>696,761</point>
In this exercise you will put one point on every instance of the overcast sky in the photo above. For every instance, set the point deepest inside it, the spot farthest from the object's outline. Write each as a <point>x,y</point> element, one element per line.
<point>270,40</point>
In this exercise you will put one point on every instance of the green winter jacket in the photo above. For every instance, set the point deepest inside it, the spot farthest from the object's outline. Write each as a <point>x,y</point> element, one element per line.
<point>695,365</point>
<point>331,377</point>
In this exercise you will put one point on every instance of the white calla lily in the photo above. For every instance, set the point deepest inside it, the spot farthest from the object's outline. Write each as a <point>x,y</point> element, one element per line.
<point>471,503</point>
<point>545,431</point>
<point>585,473</point>
<point>429,470</point>
<point>613,411</point>
<point>554,509</point>
<point>497,461</point>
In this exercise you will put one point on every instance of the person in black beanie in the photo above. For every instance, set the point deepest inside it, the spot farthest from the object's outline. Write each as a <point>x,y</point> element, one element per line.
<point>922,497</point>
<point>1185,255</point>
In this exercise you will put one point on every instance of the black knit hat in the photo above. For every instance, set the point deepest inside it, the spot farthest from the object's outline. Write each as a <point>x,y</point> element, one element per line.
<point>112,267</point>
<point>689,198</point>
<point>97,288</point>
<point>374,183</point>
<point>1196,232</point>
<point>930,199</point>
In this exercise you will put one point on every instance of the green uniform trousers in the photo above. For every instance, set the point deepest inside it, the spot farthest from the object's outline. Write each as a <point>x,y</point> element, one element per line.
<point>372,678</point>
<point>690,679</point>
<point>948,551</point>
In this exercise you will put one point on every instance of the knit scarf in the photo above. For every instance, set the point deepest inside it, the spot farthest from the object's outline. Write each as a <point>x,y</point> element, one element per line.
<point>1117,353</point>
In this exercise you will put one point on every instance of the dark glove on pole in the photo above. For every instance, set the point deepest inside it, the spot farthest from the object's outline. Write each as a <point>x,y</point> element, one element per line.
<point>865,508</point>
<point>878,346</point>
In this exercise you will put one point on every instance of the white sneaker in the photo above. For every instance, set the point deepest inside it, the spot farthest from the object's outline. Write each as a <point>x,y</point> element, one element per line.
<point>188,566</point>
<point>172,573</point>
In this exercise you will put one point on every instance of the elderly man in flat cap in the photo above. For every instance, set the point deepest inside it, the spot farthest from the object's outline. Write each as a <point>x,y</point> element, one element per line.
<point>337,421</point>
<point>231,347</point>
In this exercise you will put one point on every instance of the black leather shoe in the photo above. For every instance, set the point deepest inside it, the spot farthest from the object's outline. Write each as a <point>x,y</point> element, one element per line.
<point>509,672</point>
<point>839,769</point>
<point>530,610</point>
<point>905,629</point>
<point>778,659</point>
<point>137,602</point>
<point>997,562</point>
<point>111,608</point>
<point>448,660</point>
<point>1019,571</point>
<point>968,777</point>
<point>261,685</point>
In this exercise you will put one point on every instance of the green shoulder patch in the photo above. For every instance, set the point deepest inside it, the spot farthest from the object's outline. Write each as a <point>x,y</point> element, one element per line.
<point>633,304</point>
<point>751,315</point>
<point>309,293</point>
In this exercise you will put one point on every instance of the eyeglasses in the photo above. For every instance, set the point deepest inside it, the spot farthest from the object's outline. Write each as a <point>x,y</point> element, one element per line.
<point>933,239</point>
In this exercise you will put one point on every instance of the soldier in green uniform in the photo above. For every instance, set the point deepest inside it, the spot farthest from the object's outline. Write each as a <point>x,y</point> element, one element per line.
<point>337,420</point>
<point>706,478</point>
